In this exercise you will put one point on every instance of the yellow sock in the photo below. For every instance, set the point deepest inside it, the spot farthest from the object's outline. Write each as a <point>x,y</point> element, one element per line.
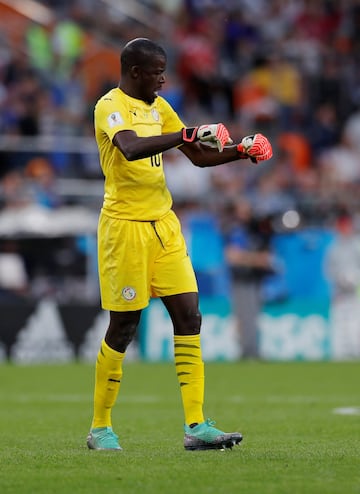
<point>108,373</point>
<point>190,372</point>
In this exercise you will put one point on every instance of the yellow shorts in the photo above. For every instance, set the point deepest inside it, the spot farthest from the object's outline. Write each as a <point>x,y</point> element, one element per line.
<point>142,259</point>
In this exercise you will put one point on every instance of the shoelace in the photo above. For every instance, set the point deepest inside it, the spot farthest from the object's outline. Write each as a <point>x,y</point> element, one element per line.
<point>210,423</point>
<point>108,433</point>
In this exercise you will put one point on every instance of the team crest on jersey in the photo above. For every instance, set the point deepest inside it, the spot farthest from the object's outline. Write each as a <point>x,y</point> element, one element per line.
<point>155,114</point>
<point>128,293</point>
<point>115,119</point>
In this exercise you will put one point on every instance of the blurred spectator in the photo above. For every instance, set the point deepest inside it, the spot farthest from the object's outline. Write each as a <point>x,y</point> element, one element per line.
<point>304,51</point>
<point>279,15</point>
<point>241,39</point>
<point>322,132</point>
<point>68,41</point>
<point>39,49</point>
<point>200,65</point>
<point>14,191</point>
<point>297,148</point>
<point>20,109</point>
<point>343,258</point>
<point>327,86</point>
<point>41,177</point>
<point>342,266</point>
<point>340,166</point>
<point>16,67</point>
<point>70,103</point>
<point>27,115</point>
<point>247,251</point>
<point>255,105</point>
<point>273,193</point>
<point>270,94</point>
<point>352,130</point>
<point>319,20</point>
<point>286,86</point>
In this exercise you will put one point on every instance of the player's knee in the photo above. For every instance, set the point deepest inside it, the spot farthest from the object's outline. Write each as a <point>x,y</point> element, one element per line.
<point>190,325</point>
<point>126,337</point>
<point>120,337</point>
<point>196,322</point>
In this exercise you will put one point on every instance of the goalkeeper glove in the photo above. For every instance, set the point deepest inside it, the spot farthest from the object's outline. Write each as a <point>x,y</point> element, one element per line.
<point>257,147</point>
<point>216,135</point>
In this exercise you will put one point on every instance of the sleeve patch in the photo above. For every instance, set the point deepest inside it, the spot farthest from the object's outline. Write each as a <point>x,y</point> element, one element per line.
<point>114,119</point>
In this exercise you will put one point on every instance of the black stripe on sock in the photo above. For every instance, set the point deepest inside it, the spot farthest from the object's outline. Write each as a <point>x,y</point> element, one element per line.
<point>185,345</point>
<point>185,355</point>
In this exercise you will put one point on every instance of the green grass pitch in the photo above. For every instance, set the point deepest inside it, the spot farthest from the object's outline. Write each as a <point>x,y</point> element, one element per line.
<point>293,443</point>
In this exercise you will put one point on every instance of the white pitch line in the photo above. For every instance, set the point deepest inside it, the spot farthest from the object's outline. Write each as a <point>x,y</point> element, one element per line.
<point>290,399</point>
<point>150,399</point>
<point>347,411</point>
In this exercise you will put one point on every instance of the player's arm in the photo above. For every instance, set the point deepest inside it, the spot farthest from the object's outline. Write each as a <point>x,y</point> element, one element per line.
<point>206,156</point>
<point>134,147</point>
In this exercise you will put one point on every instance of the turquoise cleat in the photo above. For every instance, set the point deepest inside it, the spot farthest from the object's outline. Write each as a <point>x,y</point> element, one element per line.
<point>103,438</point>
<point>206,436</point>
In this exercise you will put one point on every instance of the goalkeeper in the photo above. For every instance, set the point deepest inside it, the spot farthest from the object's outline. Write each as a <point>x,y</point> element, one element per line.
<point>141,249</point>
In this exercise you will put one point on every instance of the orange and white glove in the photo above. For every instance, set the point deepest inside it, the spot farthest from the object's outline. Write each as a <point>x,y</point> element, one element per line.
<point>257,147</point>
<point>215,135</point>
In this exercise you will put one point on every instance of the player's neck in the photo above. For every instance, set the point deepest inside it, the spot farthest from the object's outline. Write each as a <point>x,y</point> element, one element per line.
<point>129,91</point>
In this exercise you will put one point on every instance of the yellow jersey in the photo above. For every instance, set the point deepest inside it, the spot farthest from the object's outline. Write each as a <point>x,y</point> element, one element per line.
<point>133,190</point>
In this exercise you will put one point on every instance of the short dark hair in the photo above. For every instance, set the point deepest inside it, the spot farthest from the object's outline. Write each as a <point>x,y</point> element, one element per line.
<point>138,52</point>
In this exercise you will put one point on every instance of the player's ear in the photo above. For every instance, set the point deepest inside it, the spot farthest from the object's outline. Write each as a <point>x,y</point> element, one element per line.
<point>135,71</point>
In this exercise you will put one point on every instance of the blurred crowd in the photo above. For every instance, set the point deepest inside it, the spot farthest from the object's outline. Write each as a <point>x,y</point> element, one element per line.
<point>287,68</point>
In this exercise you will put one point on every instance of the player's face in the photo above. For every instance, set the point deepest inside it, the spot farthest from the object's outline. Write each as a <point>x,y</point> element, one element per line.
<point>153,78</point>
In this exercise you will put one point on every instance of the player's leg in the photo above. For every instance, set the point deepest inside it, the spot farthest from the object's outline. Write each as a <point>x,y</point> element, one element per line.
<point>108,374</point>
<point>108,369</point>
<point>123,272</point>
<point>185,315</point>
<point>175,282</point>
<point>186,318</point>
